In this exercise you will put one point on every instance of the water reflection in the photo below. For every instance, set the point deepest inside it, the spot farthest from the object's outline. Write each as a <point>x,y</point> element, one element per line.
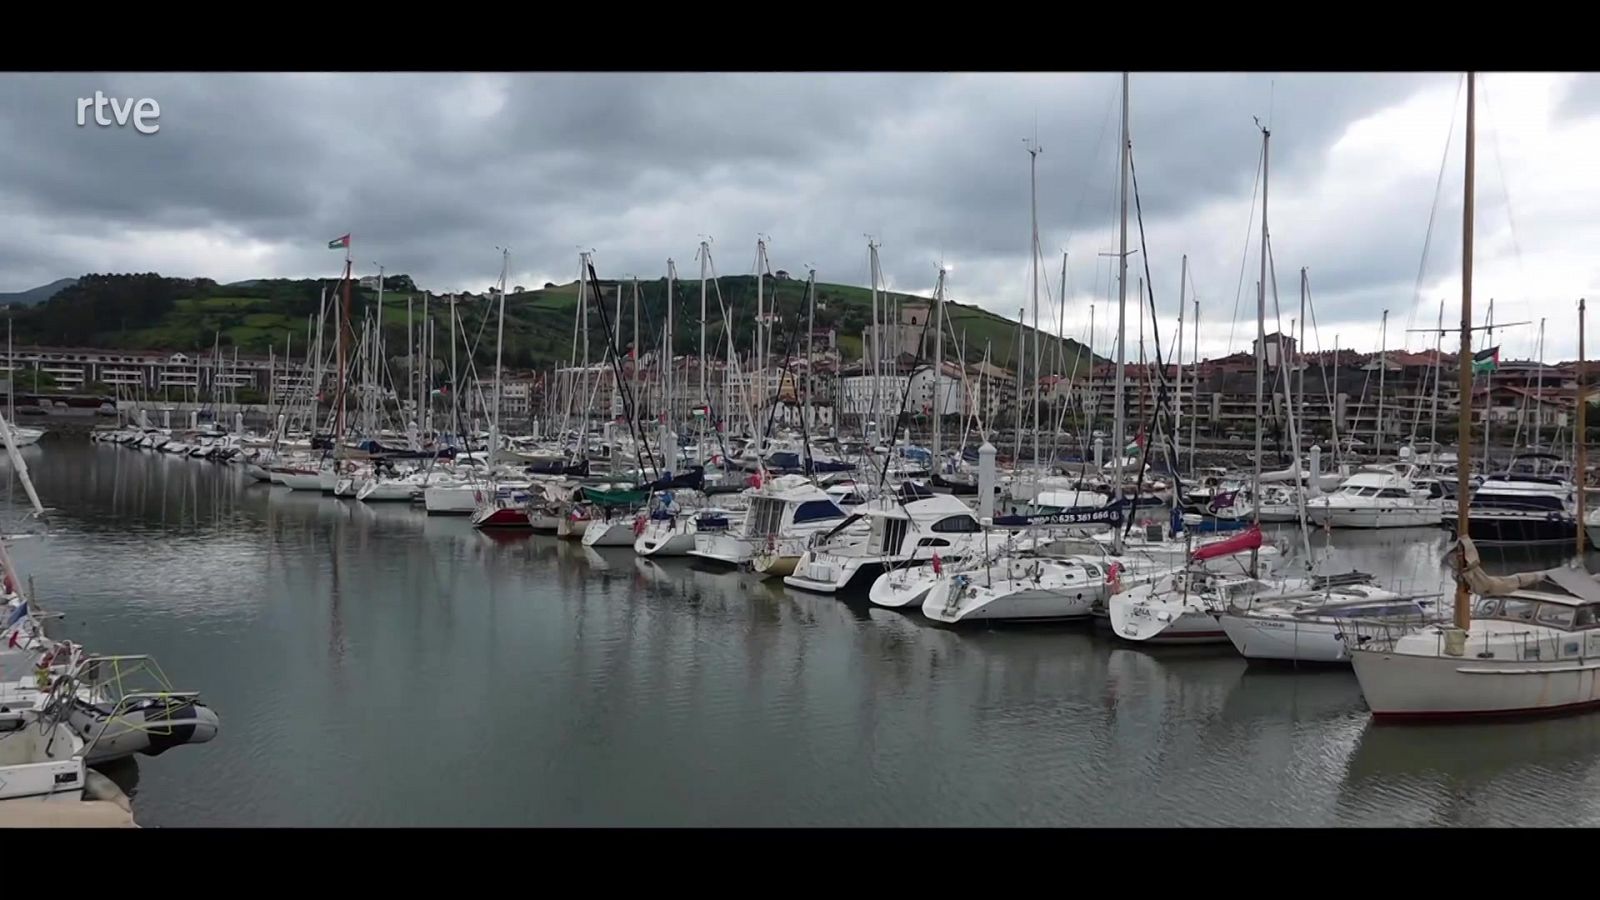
<point>351,649</point>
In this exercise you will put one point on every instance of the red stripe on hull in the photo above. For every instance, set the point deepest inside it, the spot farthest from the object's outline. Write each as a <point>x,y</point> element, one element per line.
<point>1535,712</point>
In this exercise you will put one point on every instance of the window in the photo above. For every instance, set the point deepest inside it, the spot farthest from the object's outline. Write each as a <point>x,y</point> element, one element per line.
<point>1555,615</point>
<point>962,524</point>
<point>816,510</point>
<point>1518,610</point>
<point>1585,617</point>
<point>933,542</point>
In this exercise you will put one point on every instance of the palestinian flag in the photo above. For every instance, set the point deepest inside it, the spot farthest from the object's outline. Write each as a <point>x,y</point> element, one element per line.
<point>699,412</point>
<point>1137,445</point>
<point>340,243</point>
<point>1486,361</point>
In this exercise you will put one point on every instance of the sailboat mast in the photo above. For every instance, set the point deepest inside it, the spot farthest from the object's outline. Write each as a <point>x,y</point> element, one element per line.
<point>669,448</point>
<point>938,370</point>
<point>1438,371</point>
<point>811,359</point>
<point>1299,357</point>
<point>1089,408</point>
<point>499,346</point>
<point>702,397</point>
<point>1383,369</point>
<point>1488,395</point>
<point>760,367</point>
<point>1463,609</point>
<point>344,327</point>
<point>1538,389</point>
<point>638,408</point>
<point>1261,342</point>
<point>1118,435</point>
<point>1194,420</point>
<point>1033,251</point>
<point>877,341</point>
<point>455,384</point>
<point>1177,403</point>
<point>1579,434</point>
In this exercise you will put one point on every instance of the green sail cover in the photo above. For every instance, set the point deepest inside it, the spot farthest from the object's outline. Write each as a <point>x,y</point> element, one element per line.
<point>616,498</point>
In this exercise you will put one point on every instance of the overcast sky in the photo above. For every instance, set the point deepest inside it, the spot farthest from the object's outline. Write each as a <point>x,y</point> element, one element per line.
<point>252,175</point>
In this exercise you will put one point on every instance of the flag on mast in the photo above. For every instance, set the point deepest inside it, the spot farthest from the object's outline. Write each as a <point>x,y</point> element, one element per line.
<point>340,243</point>
<point>1486,360</point>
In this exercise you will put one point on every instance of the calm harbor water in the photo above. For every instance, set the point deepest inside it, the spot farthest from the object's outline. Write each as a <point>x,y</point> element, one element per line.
<point>373,666</point>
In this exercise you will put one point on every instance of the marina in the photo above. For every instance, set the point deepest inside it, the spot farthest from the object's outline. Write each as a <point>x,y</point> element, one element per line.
<point>611,689</point>
<point>760,549</point>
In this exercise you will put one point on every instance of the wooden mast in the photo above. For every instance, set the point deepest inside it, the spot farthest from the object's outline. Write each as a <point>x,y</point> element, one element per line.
<point>1463,609</point>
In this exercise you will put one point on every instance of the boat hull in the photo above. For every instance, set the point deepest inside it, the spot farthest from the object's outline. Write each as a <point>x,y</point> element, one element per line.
<point>387,492</point>
<point>658,541</point>
<point>151,731</point>
<point>1374,517</point>
<point>1400,686</point>
<point>1285,639</point>
<point>500,517</point>
<point>1014,601</point>
<point>450,501</point>
<point>774,565</point>
<point>300,481</point>
<point>722,549</point>
<point>902,588</point>
<point>1520,528</point>
<point>833,577</point>
<point>615,533</point>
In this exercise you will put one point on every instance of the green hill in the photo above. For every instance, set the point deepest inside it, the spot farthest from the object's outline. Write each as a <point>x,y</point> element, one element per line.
<point>147,311</point>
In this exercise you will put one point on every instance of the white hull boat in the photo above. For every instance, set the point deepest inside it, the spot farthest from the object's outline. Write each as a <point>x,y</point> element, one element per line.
<point>666,537</point>
<point>907,587</point>
<point>299,480</point>
<point>1531,648</point>
<point>39,760</point>
<point>1020,589</point>
<point>899,535</point>
<point>388,490</point>
<point>1315,633</point>
<point>451,499</point>
<point>617,532</point>
<point>22,435</point>
<point>1418,516</point>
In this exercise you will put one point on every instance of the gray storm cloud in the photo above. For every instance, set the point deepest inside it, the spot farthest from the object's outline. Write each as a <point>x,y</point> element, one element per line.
<point>251,175</point>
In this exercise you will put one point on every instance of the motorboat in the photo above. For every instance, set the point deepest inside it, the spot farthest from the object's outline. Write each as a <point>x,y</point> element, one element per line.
<point>1534,501</point>
<point>1378,496</point>
<point>900,534</point>
<point>783,514</point>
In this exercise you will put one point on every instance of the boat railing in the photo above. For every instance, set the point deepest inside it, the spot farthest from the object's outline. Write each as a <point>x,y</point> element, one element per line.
<point>112,678</point>
<point>1376,633</point>
<point>1531,645</point>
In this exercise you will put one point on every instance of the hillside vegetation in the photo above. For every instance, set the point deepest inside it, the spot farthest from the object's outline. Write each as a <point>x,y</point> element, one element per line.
<point>148,311</point>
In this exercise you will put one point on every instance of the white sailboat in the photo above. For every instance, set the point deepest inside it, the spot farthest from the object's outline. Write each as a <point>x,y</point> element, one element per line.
<point>1520,644</point>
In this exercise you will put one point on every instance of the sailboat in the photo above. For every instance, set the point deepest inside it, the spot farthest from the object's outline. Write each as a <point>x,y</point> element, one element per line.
<point>1520,644</point>
<point>21,435</point>
<point>1185,606</point>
